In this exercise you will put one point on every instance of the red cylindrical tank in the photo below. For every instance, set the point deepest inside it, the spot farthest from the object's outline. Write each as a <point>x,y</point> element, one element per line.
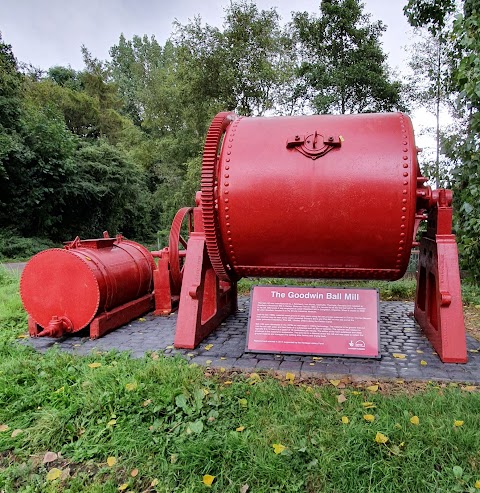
<point>88,277</point>
<point>310,196</point>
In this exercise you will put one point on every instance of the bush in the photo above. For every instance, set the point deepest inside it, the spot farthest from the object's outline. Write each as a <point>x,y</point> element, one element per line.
<point>17,248</point>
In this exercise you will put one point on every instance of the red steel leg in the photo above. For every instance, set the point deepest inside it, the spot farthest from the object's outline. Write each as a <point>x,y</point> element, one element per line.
<point>204,301</point>
<point>438,304</point>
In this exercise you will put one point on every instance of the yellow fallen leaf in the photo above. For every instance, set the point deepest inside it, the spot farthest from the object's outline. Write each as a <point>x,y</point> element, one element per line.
<point>131,386</point>
<point>169,347</point>
<point>4,428</point>
<point>400,382</point>
<point>205,391</point>
<point>290,377</point>
<point>316,358</point>
<point>208,362</point>
<point>155,356</point>
<point>311,364</point>
<point>335,383</point>
<point>368,405</point>
<point>419,351</point>
<point>477,484</point>
<point>208,480</point>
<point>254,378</point>
<point>458,423</point>
<point>473,351</point>
<point>423,362</point>
<point>16,432</point>
<point>22,336</point>
<point>399,356</point>
<point>53,474</point>
<point>123,487</point>
<point>112,422</point>
<point>147,402</point>
<point>111,461</point>
<point>207,348</point>
<point>134,473</point>
<point>415,420</point>
<point>381,438</point>
<point>355,392</point>
<point>345,420</point>
<point>227,382</point>
<point>141,319</point>
<point>243,402</point>
<point>240,428</point>
<point>278,448</point>
<point>154,483</point>
<point>372,388</point>
<point>60,390</point>
<point>222,369</point>
<point>94,365</point>
<point>223,358</point>
<point>369,417</point>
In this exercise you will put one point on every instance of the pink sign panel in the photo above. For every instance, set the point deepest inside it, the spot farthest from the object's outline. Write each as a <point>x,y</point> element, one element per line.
<point>323,321</point>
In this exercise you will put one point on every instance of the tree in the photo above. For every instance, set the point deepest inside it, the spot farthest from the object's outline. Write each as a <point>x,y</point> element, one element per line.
<point>466,146</point>
<point>132,63</point>
<point>463,145</point>
<point>343,67</point>
<point>241,67</point>
<point>430,61</point>
<point>106,191</point>
<point>429,64</point>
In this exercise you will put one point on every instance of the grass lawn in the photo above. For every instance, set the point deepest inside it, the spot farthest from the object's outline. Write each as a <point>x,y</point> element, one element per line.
<point>112,424</point>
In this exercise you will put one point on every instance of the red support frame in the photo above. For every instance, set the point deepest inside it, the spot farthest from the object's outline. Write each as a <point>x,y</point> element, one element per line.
<point>438,303</point>
<point>205,301</point>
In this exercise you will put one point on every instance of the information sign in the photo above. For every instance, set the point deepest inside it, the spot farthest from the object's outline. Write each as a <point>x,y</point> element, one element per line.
<point>319,321</point>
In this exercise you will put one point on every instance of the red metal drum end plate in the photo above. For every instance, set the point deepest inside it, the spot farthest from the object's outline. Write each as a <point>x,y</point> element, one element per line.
<point>58,283</point>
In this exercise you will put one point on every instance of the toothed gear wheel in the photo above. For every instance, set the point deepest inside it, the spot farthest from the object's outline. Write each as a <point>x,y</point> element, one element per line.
<point>209,183</point>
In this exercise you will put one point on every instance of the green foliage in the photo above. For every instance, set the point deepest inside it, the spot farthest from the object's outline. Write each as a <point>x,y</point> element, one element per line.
<point>466,148</point>
<point>343,67</point>
<point>10,87</point>
<point>35,169</point>
<point>14,247</point>
<point>462,79</point>
<point>402,290</point>
<point>429,13</point>
<point>107,191</point>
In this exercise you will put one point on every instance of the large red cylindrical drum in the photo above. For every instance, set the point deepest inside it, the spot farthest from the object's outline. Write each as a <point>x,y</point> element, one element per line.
<point>311,196</point>
<point>87,278</point>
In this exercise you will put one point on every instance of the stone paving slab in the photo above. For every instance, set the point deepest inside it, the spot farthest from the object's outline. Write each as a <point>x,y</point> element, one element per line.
<point>398,334</point>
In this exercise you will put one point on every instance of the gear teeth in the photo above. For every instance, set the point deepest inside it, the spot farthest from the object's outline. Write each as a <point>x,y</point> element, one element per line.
<point>209,176</point>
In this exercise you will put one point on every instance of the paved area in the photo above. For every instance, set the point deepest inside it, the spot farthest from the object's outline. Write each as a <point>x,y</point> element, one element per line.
<point>16,267</point>
<point>398,334</point>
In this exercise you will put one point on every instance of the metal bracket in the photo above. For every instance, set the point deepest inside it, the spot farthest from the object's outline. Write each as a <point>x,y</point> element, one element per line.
<point>314,145</point>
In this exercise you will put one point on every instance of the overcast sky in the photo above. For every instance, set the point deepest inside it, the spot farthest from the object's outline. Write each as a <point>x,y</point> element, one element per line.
<point>50,32</point>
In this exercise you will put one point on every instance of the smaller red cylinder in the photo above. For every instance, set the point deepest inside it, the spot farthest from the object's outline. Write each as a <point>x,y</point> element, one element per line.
<point>84,279</point>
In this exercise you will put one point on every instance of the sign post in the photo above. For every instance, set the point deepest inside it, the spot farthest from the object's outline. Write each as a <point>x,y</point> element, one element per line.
<point>320,321</point>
